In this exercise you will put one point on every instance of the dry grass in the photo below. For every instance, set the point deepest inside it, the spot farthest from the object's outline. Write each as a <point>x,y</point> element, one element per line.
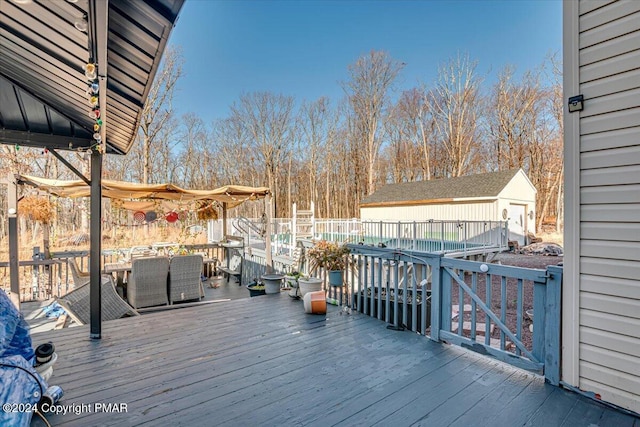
<point>552,237</point>
<point>123,237</point>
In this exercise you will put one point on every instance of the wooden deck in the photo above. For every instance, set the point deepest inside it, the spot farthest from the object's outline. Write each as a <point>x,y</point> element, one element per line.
<point>263,361</point>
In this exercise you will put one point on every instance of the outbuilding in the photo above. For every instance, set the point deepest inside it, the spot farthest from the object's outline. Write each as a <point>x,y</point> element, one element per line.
<point>494,196</point>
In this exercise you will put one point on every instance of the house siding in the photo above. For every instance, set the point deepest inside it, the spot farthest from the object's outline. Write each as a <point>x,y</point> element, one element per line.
<point>607,145</point>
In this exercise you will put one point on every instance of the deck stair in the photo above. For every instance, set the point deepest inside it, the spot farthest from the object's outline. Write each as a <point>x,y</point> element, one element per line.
<point>303,222</point>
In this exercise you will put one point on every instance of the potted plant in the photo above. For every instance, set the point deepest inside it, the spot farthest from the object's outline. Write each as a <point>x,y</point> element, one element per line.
<point>309,284</point>
<point>256,288</point>
<point>291,280</point>
<point>331,256</point>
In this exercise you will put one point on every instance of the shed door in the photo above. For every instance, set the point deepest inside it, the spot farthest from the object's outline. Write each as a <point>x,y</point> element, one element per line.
<point>517,214</point>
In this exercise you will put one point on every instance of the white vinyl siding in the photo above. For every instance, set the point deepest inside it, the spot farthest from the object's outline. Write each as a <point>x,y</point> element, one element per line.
<point>486,211</point>
<point>608,261</point>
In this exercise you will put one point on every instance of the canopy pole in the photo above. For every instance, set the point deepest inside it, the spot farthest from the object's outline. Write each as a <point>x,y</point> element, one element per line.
<point>224,220</point>
<point>95,300</point>
<point>12,209</point>
<point>267,238</point>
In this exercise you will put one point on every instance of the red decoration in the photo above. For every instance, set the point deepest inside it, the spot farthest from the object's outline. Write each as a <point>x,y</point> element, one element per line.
<point>171,217</point>
<point>138,216</point>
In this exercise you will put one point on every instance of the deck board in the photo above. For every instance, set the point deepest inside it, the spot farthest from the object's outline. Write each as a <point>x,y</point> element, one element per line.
<point>263,361</point>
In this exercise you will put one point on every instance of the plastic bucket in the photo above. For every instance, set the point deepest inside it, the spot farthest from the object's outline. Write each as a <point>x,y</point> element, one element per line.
<point>315,303</point>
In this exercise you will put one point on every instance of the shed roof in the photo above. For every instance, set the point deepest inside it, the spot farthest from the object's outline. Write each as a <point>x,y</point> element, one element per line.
<point>43,99</point>
<point>485,185</point>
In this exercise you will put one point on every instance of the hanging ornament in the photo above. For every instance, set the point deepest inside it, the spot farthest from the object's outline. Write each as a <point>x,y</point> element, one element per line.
<point>150,216</point>
<point>99,122</point>
<point>171,217</point>
<point>139,216</point>
<point>90,71</point>
<point>94,88</point>
<point>17,147</point>
<point>95,112</point>
<point>96,127</point>
<point>182,215</point>
<point>94,101</point>
<point>97,137</point>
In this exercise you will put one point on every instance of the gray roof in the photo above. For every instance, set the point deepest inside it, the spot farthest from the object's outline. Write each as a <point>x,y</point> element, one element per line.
<point>43,100</point>
<point>482,185</point>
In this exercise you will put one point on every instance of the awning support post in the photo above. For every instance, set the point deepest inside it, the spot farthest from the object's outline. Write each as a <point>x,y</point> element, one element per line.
<point>95,224</point>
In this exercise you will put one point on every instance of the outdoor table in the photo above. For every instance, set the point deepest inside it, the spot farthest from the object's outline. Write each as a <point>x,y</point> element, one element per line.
<point>120,269</point>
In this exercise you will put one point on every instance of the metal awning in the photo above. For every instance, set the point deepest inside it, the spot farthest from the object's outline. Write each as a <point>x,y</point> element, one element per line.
<point>43,48</point>
<point>46,97</point>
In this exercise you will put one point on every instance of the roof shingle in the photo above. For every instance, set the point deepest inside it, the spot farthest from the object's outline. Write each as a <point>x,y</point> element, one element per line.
<point>481,185</point>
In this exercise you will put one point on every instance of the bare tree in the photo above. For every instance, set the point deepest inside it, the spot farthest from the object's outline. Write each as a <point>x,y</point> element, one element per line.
<point>512,119</point>
<point>371,78</point>
<point>410,134</point>
<point>268,119</point>
<point>194,158</point>
<point>455,103</point>
<point>317,125</point>
<point>158,109</point>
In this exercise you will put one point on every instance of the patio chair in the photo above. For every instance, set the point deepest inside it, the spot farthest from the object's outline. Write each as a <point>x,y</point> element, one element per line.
<point>79,277</point>
<point>147,284</point>
<point>76,303</point>
<point>185,272</point>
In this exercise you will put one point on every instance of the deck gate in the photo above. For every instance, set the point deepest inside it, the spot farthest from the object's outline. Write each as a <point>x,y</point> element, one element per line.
<point>476,305</point>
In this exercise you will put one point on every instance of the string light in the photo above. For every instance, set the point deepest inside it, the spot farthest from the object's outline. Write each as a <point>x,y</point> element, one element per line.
<point>90,71</point>
<point>93,89</point>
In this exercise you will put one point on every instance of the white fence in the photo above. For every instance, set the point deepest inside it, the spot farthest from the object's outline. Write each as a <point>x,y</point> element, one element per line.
<point>442,237</point>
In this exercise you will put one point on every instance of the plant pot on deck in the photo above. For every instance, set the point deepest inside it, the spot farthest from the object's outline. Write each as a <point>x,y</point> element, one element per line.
<point>292,283</point>
<point>255,289</point>
<point>310,284</point>
<point>335,277</point>
<point>272,283</point>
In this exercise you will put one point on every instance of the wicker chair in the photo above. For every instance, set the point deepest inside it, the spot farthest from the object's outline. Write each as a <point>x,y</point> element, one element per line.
<point>76,303</point>
<point>147,284</point>
<point>79,277</point>
<point>185,272</point>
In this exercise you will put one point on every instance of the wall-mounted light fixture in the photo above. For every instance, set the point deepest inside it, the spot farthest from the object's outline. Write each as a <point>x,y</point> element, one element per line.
<point>576,103</point>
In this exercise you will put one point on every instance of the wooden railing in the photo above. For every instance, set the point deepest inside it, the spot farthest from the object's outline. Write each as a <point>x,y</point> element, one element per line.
<point>41,279</point>
<point>487,308</point>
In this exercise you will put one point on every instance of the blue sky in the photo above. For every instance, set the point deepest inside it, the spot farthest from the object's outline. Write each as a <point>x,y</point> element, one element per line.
<point>303,48</point>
